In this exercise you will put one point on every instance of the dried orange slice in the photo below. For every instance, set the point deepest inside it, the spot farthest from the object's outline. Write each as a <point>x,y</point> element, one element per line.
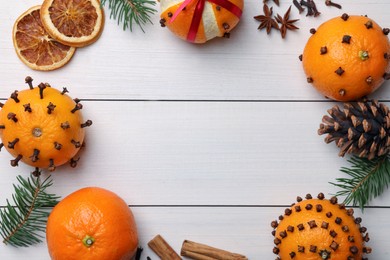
<point>75,23</point>
<point>35,47</point>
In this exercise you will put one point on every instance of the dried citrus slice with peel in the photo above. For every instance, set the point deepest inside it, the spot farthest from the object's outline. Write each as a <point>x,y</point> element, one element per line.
<point>75,23</point>
<point>35,47</point>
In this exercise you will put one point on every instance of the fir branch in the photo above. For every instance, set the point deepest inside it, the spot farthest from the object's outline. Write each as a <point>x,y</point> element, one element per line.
<point>22,223</point>
<point>131,11</point>
<point>368,179</point>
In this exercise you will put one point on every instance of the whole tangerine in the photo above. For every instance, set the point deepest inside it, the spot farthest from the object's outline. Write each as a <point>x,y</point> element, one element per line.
<point>347,57</point>
<point>91,224</point>
<point>319,229</point>
<point>42,126</point>
<point>198,21</point>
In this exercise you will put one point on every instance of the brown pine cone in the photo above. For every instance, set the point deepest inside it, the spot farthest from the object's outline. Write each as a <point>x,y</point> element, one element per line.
<point>361,128</point>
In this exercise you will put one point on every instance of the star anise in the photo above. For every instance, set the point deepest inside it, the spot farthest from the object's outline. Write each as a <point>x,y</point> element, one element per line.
<point>266,20</point>
<point>275,1</point>
<point>286,23</point>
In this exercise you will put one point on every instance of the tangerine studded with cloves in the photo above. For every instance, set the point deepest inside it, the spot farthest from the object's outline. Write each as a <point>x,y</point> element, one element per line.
<point>347,57</point>
<point>32,126</point>
<point>318,229</point>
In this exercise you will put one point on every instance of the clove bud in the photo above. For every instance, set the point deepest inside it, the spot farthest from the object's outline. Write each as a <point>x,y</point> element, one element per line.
<point>27,107</point>
<point>50,108</point>
<point>12,116</point>
<point>86,124</point>
<point>77,107</point>
<point>41,87</point>
<point>15,162</point>
<point>29,81</point>
<point>14,96</point>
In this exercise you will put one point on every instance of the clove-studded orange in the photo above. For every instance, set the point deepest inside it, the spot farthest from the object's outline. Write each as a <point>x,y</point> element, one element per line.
<point>319,229</point>
<point>347,57</point>
<point>91,224</point>
<point>42,126</point>
<point>198,21</point>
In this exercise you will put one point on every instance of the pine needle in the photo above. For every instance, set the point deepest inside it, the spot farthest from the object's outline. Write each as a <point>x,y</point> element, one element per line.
<point>128,12</point>
<point>368,179</point>
<point>24,222</point>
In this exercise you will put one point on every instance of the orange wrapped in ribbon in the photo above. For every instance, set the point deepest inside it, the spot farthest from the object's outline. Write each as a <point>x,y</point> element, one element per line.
<point>198,21</point>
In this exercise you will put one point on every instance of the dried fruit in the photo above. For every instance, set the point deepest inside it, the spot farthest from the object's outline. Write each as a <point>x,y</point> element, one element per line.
<point>91,223</point>
<point>198,21</point>
<point>31,126</point>
<point>75,23</point>
<point>35,47</point>
<point>319,229</point>
<point>356,50</point>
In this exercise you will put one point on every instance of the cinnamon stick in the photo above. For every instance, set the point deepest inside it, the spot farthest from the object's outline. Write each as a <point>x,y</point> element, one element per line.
<point>199,251</point>
<point>163,249</point>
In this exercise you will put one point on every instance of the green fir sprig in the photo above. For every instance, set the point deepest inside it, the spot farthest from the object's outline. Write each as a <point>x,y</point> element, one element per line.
<point>367,180</point>
<point>129,12</point>
<point>23,222</point>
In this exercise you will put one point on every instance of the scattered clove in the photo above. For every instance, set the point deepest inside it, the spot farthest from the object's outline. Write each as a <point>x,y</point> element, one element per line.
<point>298,6</point>
<point>330,3</point>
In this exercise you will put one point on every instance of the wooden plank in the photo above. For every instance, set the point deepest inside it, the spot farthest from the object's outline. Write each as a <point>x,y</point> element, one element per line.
<point>243,230</point>
<point>156,65</point>
<point>201,153</point>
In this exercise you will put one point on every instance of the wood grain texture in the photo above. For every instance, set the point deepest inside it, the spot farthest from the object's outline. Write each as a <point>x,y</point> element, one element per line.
<point>156,65</point>
<point>243,230</point>
<point>205,142</point>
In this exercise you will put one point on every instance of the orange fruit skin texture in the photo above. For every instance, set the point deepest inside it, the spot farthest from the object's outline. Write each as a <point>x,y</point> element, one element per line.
<point>318,236</point>
<point>49,124</point>
<point>352,84</point>
<point>97,213</point>
<point>181,25</point>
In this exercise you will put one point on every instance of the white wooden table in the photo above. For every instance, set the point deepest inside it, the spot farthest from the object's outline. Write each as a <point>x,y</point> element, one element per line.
<point>204,142</point>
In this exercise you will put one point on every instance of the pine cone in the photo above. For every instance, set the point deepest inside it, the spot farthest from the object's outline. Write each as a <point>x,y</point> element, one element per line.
<point>361,128</point>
